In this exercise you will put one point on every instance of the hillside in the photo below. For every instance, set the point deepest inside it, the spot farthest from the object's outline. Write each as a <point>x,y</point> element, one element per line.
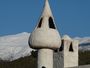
<point>84,57</point>
<point>15,46</point>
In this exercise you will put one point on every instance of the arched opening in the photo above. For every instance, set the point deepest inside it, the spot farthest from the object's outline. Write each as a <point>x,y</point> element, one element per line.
<point>62,46</point>
<point>40,23</point>
<point>43,67</point>
<point>51,23</point>
<point>71,48</point>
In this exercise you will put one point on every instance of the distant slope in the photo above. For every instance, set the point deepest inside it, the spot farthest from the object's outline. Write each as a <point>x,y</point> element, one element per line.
<point>14,46</point>
<point>84,57</point>
<point>84,43</point>
<point>26,62</point>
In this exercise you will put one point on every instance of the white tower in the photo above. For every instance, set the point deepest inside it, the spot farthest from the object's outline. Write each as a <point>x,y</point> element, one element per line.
<point>45,38</point>
<point>68,52</point>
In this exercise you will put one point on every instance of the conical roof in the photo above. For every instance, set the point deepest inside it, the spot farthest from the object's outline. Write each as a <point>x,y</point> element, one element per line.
<point>45,35</point>
<point>47,19</point>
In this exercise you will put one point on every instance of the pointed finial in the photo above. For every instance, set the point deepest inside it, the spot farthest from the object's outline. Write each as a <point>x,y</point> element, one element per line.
<point>47,10</point>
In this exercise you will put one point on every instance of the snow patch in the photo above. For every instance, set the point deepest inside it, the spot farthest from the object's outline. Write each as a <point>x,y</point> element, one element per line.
<point>13,47</point>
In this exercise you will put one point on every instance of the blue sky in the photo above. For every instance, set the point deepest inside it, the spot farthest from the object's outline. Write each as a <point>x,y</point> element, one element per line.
<point>72,17</point>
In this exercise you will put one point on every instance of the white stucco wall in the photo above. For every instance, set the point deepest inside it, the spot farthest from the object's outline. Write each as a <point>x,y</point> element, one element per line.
<point>66,58</point>
<point>71,58</point>
<point>45,58</point>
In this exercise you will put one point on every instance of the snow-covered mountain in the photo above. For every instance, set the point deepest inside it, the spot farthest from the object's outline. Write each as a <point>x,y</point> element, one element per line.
<point>84,43</point>
<point>15,46</point>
